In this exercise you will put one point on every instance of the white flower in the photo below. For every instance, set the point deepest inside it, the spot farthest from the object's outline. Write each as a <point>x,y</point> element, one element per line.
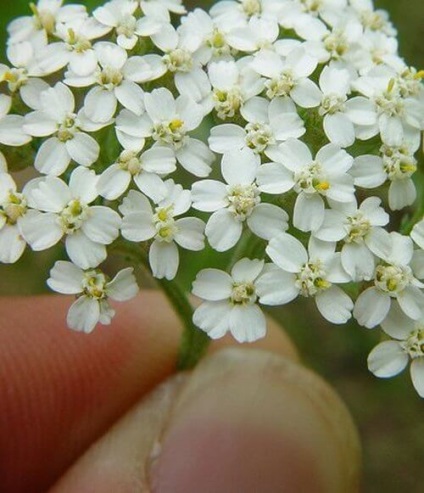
<point>168,122</point>
<point>62,210</point>
<point>312,179</point>
<point>116,80</point>
<point>311,273</point>
<point>11,131</point>
<point>394,281</point>
<point>93,290</point>
<point>56,117</point>
<point>233,83</point>
<point>119,15</point>
<point>144,168</point>
<point>396,164</point>
<point>389,358</point>
<point>289,76</point>
<point>237,202</point>
<point>142,223</point>
<point>399,117</point>
<point>75,49</point>
<point>340,114</point>
<point>24,75</point>
<point>269,124</point>
<point>231,301</point>
<point>355,227</point>
<point>160,7</point>
<point>46,13</point>
<point>13,206</point>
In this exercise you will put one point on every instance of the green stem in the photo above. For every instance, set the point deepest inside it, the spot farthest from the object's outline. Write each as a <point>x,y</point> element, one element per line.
<point>194,341</point>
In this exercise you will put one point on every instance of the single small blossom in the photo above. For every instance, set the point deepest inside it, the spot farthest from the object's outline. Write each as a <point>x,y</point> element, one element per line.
<point>310,273</point>
<point>61,210</point>
<point>394,281</point>
<point>93,290</point>
<point>142,222</point>
<point>391,357</point>
<point>236,202</point>
<point>231,301</point>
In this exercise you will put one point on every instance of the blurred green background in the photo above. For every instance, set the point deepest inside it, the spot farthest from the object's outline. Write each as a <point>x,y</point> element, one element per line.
<point>389,415</point>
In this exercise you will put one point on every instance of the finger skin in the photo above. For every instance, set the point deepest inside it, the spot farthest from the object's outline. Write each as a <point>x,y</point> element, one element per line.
<point>61,390</point>
<point>242,421</point>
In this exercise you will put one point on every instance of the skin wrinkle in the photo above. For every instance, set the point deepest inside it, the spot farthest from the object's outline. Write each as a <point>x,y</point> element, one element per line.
<point>76,395</point>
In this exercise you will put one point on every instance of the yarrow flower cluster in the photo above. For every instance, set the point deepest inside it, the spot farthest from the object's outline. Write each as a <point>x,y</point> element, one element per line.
<point>286,131</point>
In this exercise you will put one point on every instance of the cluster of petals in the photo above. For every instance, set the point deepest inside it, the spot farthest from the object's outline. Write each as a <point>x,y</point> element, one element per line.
<point>272,128</point>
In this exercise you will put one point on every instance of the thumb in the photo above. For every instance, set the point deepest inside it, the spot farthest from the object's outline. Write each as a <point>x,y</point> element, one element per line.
<point>243,420</point>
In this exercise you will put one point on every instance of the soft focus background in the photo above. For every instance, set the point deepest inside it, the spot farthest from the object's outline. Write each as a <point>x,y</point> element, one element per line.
<point>389,414</point>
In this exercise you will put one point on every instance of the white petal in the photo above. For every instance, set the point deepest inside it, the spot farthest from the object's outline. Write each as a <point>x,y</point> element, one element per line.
<point>339,129</point>
<point>100,105</point>
<point>212,317</point>
<point>227,137</point>
<point>190,234</point>
<point>239,167</point>
<point>267,221</point>
<point>138,226</point>
<point>387,359</point>
<point>247,323</point>
<point>113,182</point>
<point>83,184</point>
<point>12,245</point>
<point>130,95</point>
<point>164,260</point>
<point>334,305</point>
<point>209,195</point>
<point>411,300</point>
<point>246,270</point>
<point>306,94</point>
<point>102,225</point>
<point>287,252</point>
<point>212,285</point>
<point>371,307</point>
<point>358,261</point>
<point>66,278</point>
<point>123,286</point>
<point>84,252</point>
<point>276,287</point>
<point>40,231</point>
<point>308,212</point>
<point>274,178</point>
<point>417,375</point>
<point>83,149</point>
<point>402,193</point>
<point>52,157</point>
<point>294,154</point>
<point>223,230</point>
<point>84,314</point>
<point>196,157</point>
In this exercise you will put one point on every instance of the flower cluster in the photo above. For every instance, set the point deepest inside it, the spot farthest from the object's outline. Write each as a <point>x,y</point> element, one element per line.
<point>282,130</point>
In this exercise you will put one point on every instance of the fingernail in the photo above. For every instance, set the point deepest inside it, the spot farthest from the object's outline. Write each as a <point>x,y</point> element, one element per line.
<point>249,421</point>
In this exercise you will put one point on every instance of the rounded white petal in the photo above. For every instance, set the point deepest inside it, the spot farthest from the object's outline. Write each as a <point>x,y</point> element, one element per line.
<point>12,245</point>
<point>100,105</point>
<point>268,221</point>
<point>334,305</point>
<point>52,157</point>
<point>274,178</point>
<point>417,375</point>
<point>123,286</point>
<point>387,359</point>
<point>84,252</point>
<point>247,323</point>
<point>83,149</point>
<point>239,167</point>
<point>212,285</point>
<point>223,230</point>
<point>371,307</point>
<point>190,233</point>
<point>138,226</point>
<point>164,260</point>
<point>113,182</point>
<point>196,157</point>
<point>41,231</point>
<point>309,212</point>
<point>66,278</point>
<point>246,270</point>
<point>209,195</point>
<point>287,252</point>
<point>275,286</point>
<point>84,314</point>
<point>213,318</point>
<point>102,225</point>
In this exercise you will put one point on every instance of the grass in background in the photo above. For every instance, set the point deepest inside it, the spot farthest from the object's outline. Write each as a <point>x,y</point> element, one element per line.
<point>389,414</point>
